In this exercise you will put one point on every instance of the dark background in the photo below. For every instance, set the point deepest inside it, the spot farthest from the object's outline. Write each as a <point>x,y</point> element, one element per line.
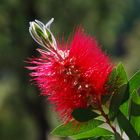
<point>24,115</point>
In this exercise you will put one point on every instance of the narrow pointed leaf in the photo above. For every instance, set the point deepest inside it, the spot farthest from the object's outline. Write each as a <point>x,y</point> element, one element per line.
<point>135,109</point>
<point>117,78</point>
<point>99,138</point>
<point>127,127</point>
<point>135,121</point>
<point>70,128</point>
<point>112,82</point>
<point>122,74</point>
<point>134,104</point>
<point>117,99</point>
<point>134,82</point>
<point>135,97</point>
<point>84,114</point>
<point>125,108</point>
<point>97,132</point>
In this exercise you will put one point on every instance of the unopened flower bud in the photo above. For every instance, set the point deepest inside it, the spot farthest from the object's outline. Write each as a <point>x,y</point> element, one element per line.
<point>42,35</point>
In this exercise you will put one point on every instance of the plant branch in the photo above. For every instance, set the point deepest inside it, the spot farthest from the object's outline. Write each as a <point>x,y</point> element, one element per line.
<point>109,122</point>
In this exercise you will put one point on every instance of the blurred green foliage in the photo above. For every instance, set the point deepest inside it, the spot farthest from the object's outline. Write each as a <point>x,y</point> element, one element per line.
<point>24,115</point>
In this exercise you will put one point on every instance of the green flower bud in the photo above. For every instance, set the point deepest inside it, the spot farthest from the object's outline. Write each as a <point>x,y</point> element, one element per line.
<point>42,35</point>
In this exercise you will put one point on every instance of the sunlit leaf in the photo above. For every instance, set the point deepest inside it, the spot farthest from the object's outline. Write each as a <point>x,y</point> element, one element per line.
<point>134,82</point>
<point>135,110</point>
<point>122,74</point>
<point>71,128</point>
<point>135,121</point>
<point>93,133</point>
<point>99,138</point>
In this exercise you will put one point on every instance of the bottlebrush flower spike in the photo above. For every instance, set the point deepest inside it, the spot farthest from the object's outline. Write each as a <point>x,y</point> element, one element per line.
<point>71,78</point>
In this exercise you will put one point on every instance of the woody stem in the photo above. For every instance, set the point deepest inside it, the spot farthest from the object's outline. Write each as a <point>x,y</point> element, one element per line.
<point>108,121</point>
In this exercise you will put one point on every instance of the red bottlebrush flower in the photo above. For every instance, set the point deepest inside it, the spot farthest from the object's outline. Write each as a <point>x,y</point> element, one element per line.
<point>72,78</point>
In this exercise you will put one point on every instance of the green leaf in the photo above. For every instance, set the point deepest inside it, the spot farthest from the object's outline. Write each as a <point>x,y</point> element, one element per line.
<point>70,128</point>
<point>135,109</point>
<point>135,104</point>
<point>111,81</point>
<point>119,90</point>
<point>83,114</point>
<point>112,76</point>
<point>135,121</point>
<point>97,132</point>
<point>117,99</point>
<point>135,97</point>
<point>124,108</point>
<point>122,74</point>
<point>117,78</point>
<point>134,82</point>
<point>99,138</point>
<point>107,138</point>
<point>127,127</point>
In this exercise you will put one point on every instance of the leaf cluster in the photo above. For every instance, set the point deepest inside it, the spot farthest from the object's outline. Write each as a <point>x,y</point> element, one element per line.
<point>121,106</point>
